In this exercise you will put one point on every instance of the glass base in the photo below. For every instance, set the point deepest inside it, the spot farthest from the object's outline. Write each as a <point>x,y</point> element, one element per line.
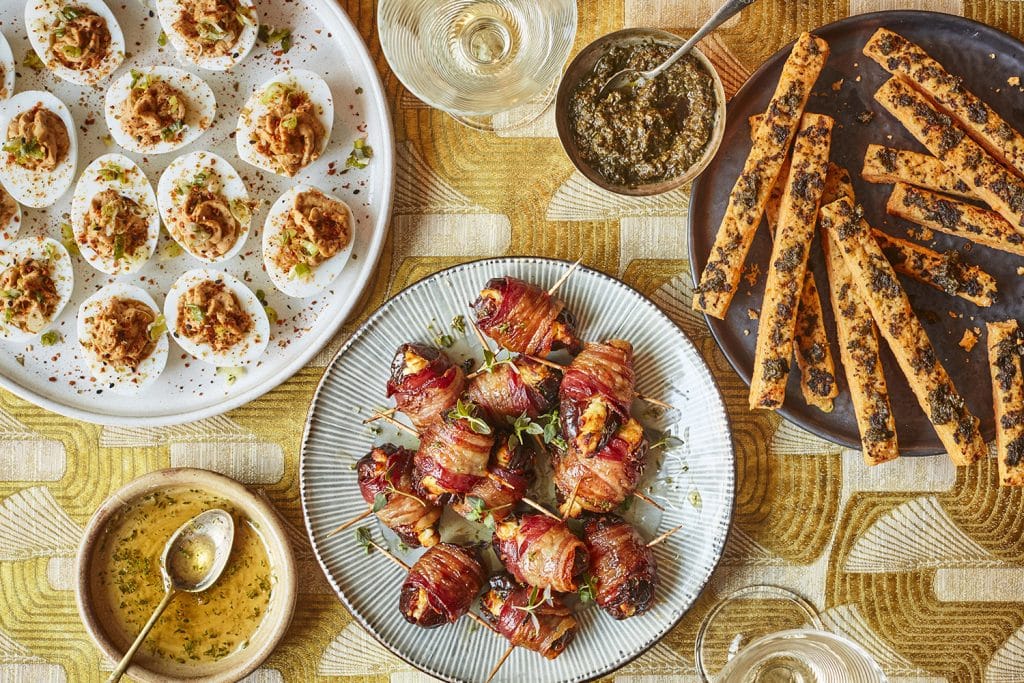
<point>513,119</point>
<point>734,621</point>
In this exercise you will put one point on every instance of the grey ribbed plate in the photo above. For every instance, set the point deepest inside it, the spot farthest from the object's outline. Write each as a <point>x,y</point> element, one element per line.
<point>695,480</point>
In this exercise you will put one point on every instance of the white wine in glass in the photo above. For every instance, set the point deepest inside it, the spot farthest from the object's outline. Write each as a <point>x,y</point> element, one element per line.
<point>478,58</point>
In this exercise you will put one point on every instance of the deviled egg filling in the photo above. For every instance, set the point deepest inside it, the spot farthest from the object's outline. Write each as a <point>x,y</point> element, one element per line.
<point>208,224</point>
<point>37,139</point>
<point>154,110</point>
<point>3,83</point>
<point>317,228</point>
<point>289,133</point>
<point>79,38</point>
<point>121,333</point>
<point>210,313</point>
<point>116,226</point>
<point>212,27</point>
<point>28,294</point>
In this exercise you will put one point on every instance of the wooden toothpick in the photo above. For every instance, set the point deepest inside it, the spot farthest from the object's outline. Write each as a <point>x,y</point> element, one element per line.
<point>537,506</point>
<point>572,500</point>
<point>380,415</point>
<point>398,425</point>
<point>565,276</point>
<point>346,525</point>
<point>649,500</point>
<point>494,671</point>
<point>665,535</point>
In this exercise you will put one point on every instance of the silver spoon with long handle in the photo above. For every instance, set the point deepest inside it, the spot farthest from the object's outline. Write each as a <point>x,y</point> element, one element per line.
<point>626,80</point>
<point>193,559</point>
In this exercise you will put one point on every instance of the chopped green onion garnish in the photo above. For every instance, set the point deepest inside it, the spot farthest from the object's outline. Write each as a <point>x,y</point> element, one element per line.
<point>360,155</point>
<point>230,375</point>
<point>157,328</point>
<point>50,338</point>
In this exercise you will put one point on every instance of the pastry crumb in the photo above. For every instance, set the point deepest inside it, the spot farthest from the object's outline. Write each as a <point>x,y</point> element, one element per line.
<point>970,339</point>
<point>1013,80</point>
<point>746,333</point>
<point>753,314</point>
<point>1020,270</point>
<point>837,85</point>
<point>752,274</point>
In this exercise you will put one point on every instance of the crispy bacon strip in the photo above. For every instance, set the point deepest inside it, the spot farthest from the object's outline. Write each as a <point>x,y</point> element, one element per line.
<point>424,383</point>
<point>511,389</point>
<point>452,457</point>
<point>540,551</point>
<point>622,567</point>
<point>442,585</point>
<point>601,482</point>
<point>524,318</point>
<point>509,475</point>
<point>596,393</point>
<point>527,618</point>
<point>387,471</point>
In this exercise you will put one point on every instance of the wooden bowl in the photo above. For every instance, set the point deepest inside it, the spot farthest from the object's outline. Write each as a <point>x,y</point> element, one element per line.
<point>282,600</point>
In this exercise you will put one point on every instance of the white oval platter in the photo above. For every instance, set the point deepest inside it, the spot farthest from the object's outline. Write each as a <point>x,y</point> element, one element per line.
<point>325,41</point>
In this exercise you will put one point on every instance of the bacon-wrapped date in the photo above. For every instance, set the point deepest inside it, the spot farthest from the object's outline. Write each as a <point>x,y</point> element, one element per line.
<point>513,388</point>
<point>524,318</point>
<point>622,567</point>
<point>603,481</point>
<point>453,455</point>
<point>540,551</point>
<point>527,618</point>
<point>596,393</point>
<point>387,471</point>
<point>509,475</point>
<point>442,585</point>
<point>424,382</point>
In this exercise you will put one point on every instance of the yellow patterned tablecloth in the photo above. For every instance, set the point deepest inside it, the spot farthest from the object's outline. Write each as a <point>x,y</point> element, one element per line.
<point>918,561</point>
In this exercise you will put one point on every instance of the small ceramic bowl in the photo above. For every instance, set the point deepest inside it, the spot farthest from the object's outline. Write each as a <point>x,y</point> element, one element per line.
<point>584,64</point>
<point>279,611</point>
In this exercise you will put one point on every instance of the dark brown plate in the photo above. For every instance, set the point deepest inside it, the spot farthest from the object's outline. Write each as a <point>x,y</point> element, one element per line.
<point>985,58</point>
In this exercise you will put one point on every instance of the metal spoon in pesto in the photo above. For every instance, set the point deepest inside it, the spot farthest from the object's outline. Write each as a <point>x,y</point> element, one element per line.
<point>626,80</point>
<point>193,559</point>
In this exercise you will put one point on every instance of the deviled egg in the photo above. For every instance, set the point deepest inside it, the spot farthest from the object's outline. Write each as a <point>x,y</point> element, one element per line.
<point>123,337</point>
<point>212,34</point>
<point>36,281</point>
<point>40,149</point>
<point>205,206</point>
<point>158,109</point>
<point>10,217</point>
<point>285,125</point>
<point>307,239</point>
<point>114,215</point>
<point>79,40</point>
<point>7,70</point>
<point>216,318</point>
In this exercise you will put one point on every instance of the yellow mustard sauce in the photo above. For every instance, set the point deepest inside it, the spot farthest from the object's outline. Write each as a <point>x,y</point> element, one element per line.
<point>197,627</point>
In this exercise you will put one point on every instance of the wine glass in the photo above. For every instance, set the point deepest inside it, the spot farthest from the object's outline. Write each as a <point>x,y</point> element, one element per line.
<point>491,64</point>
<point>738,642</point>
